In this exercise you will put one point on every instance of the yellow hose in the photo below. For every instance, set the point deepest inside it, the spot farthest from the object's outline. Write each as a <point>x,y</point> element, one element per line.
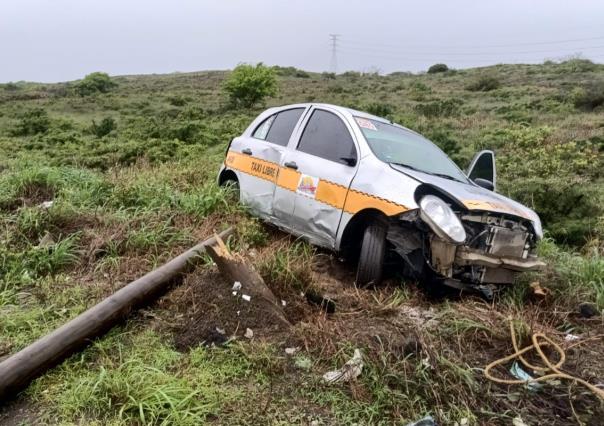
<point>539,340</point>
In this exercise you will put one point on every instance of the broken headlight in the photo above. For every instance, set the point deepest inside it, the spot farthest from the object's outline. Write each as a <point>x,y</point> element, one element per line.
<point>443,221</point>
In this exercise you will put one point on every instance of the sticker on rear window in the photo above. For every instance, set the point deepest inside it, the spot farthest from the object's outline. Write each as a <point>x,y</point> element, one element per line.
<point>365,124</point>
<point>307,185</point>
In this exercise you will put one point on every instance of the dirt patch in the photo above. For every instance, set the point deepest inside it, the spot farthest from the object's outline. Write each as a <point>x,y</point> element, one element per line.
<point>18,413</point>
<point>212,312</point>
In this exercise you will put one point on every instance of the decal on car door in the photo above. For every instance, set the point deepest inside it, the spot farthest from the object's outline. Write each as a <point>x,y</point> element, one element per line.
<point>307,185</point>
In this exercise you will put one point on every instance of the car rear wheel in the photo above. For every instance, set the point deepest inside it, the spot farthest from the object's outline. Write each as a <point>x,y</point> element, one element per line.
<point>371,259</point>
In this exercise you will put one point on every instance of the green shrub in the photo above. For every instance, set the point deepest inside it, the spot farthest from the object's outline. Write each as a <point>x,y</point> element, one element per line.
<point>440,108</point>
<point>589,97</point>
<point>96,82</point>
<point>379,109</point>
<point>436,68</point>
<point>576,65</point>
<point>328,75</point>
<point>248,84</point>
<point>484,83</point>
<point>106,126</point>
<point>32,122</point>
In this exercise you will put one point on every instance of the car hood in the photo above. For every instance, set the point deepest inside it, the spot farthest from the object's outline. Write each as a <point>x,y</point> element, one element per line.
<point>473,197</point>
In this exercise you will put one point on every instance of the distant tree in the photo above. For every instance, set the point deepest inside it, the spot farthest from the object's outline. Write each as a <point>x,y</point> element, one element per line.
<point>249,84</point>
<point>96,82</point>
<point>438,68</point>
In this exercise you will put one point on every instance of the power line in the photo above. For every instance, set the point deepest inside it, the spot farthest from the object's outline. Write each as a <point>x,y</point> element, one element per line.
<point>364,43</point>
<point>432,53</point>
<point>334,52</point>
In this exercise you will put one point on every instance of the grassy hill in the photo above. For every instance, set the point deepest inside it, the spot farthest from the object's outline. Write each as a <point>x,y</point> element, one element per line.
<point>131,176</point>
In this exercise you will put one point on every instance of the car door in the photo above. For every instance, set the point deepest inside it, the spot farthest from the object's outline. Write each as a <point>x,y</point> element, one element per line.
<point>258,157</point>
<point>324,162</point>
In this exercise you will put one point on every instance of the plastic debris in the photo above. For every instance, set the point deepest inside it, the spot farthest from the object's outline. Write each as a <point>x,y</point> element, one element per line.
<point>46,204</point>
<point>520,374</point>
<point>249,333</point>
<point>283,303</point>
<point>246,297</point>
<point>349,371</point>
<point>517,421</point>
<point>291,351</point>
<point>425,421</point>
<point>571,337</point>
<point>220,330</point>
<point>236,286</point>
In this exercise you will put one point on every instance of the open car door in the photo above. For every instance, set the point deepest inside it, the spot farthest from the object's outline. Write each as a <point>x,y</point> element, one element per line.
<point>482,170</point>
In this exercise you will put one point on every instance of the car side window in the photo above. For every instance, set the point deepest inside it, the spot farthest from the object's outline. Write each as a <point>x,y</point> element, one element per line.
<point>326,136</point>
<point>262,130</point>
<point>278,127</point>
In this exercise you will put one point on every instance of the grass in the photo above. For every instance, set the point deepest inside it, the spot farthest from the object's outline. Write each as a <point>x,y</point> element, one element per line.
<point>140,188</point>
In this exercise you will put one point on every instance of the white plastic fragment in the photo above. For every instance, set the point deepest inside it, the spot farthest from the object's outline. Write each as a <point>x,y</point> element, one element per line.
<point>517,421</point>
<point>349,371</point>
<point>248,333</point>
<point>571,337</point>
<point>291,351</point>
<point>234,293</point>
<point>236,286</point>
<point>46,204</point>
<point>246,297</point>
<point>283,302</point>
<point>220,330</point>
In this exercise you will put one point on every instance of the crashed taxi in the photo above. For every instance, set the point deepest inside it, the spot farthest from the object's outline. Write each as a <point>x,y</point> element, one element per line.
<point>374,190</point>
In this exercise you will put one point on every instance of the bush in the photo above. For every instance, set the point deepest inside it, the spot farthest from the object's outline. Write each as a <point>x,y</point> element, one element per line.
<point>248,84</point>
<point>106,126</point>
<point>484,83</point>
<point>436,68</point>
<point>589,97</point>
<point>32,122</point>
<point>379,109</point>
<point>440,108</point>
<point>576,65</point>
<point>328,75</point>
<point>96,82</point>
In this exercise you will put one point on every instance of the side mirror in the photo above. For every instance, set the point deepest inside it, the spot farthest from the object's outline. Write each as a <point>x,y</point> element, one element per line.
<point>482,168</point>
<point>487,184</point>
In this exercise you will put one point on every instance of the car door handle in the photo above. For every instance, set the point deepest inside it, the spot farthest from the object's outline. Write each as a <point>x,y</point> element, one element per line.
<point>246,151</point>
<point>291,165</point>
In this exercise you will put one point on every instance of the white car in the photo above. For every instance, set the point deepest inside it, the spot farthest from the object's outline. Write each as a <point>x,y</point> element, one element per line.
<point>363,186</point>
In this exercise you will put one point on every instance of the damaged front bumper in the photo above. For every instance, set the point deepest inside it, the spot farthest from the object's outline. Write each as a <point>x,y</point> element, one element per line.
<point>496,249</point>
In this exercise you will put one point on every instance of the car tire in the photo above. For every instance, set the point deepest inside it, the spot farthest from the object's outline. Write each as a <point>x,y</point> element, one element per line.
<point>371,258</point>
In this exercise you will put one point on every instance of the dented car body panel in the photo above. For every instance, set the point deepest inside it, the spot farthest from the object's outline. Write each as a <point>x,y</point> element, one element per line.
<point>290,175</point>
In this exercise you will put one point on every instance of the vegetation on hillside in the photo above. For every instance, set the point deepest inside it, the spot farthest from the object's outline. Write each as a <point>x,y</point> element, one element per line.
<point>105,178</point>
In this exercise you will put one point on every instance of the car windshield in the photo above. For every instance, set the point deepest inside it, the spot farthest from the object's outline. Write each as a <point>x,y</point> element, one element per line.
<point>393,144</point>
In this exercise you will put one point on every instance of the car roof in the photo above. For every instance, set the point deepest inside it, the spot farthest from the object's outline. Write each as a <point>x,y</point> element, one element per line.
<point>344,110</point>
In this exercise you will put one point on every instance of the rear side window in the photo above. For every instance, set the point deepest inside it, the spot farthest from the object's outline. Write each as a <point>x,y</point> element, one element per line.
<point>327,136</point>
<point>278,128</point>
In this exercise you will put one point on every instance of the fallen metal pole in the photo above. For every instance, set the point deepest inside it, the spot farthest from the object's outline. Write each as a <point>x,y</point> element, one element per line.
<point>17,371</point>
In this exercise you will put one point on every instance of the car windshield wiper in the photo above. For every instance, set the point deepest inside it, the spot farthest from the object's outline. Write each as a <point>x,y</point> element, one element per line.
<point>409,167</point>
<point>445,176</point>
<point>442,175</point>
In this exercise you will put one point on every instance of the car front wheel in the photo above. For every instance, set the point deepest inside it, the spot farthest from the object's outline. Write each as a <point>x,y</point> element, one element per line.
<point>371,259</point>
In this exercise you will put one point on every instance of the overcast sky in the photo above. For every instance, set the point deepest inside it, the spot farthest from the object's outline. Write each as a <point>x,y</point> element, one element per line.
<point>59,40</point>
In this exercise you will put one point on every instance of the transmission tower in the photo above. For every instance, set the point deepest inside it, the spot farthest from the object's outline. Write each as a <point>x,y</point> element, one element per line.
<point>334,52</point>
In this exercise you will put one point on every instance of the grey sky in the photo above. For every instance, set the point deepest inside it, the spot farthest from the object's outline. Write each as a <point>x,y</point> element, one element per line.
<point>58,40</point>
